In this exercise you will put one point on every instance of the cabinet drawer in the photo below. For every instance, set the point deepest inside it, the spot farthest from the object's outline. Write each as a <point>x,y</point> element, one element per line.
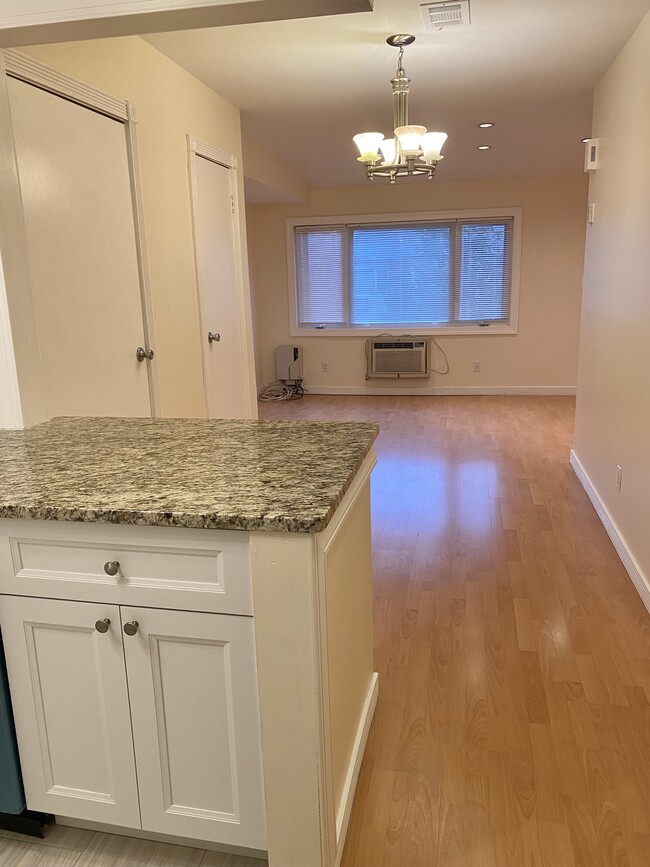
<point>198,570</point>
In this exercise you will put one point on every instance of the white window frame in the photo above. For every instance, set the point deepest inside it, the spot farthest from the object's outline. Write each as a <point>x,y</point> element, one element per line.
<point>422,216</point>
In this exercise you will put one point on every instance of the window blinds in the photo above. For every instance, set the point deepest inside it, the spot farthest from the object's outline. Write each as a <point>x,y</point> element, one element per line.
<point>320,277</point>
<point>482,280</point>
<point>454,272</point>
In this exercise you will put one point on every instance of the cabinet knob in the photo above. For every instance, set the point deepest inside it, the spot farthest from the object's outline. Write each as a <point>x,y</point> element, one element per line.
<point>112,567</point>
<point>103,625</point>
<point>213,336</point>
<point>131,628</point>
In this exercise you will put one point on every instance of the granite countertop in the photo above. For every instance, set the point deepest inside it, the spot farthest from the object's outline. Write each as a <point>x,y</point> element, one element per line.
<point>227,475</point>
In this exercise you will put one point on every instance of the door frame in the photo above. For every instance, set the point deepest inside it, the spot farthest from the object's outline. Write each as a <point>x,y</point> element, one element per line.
<point>198,148</point>
<point>25,68</point>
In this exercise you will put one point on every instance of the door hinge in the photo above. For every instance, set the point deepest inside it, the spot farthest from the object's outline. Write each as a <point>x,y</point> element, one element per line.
<point>232,204</point>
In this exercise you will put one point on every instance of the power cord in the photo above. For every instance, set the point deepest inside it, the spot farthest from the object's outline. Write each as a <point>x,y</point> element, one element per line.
<point>282,389</point>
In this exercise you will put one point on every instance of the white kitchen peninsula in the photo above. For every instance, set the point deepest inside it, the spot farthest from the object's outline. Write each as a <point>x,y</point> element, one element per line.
<point>187,615</point>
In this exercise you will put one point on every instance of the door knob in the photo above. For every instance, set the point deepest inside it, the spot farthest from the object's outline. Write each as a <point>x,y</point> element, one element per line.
<point>141,353</point>
<point>213,336</point>
<point>103,625</point>
<point>112,567</point>
<point>131,628</point>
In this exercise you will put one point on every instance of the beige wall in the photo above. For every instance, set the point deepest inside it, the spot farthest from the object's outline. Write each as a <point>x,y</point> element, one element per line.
<point>268,178</point>
<point>170,103</point>
<point>544,352</point>
<point>613,408</point>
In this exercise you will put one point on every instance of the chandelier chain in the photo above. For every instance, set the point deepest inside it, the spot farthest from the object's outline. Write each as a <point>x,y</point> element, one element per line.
<point>400,63</point>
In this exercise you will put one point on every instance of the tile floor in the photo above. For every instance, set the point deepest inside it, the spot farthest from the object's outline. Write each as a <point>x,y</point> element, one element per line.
<point>65,847</point>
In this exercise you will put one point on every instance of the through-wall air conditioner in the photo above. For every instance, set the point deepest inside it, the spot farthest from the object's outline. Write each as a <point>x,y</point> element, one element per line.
<point>399,358</point>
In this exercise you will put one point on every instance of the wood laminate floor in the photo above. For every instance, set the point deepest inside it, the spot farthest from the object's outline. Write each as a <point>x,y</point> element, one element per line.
<point>513,724</point>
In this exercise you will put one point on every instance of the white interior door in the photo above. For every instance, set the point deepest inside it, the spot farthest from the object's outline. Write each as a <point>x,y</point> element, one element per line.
<point>69,695</point>
<point>79,216</point>
<point>214,238</point>
<point>193,687</point>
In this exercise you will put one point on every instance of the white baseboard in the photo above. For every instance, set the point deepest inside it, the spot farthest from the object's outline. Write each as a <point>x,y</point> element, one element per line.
<point>640,581</point>
<point>347,798</point>
<point>425,390</point>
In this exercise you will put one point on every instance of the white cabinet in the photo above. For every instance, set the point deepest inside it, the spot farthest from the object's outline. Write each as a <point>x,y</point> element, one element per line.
<point>137,717</point>
<point>195,724</point>
<point>71,705</point>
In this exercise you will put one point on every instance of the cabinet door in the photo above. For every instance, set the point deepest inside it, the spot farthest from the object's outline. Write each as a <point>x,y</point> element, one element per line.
<point>193,690</point>
<point>69,695</point>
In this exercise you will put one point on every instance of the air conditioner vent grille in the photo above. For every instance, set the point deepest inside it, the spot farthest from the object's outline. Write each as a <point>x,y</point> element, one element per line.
<point>397,358</point>
<point>446,14</point>
<point>400,345</point>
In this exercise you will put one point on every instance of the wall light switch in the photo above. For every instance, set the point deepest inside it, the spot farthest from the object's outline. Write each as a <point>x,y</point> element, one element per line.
<point>476,366</point>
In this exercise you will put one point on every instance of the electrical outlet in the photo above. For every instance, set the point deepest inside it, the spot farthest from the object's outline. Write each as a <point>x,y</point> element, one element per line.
<point>476,366</point>
<point>324,367</point>
<point>619,477</point>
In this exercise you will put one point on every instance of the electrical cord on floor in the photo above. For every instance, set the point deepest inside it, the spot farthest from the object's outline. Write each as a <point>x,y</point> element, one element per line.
<point>419,336</point>
<point>281,389</point>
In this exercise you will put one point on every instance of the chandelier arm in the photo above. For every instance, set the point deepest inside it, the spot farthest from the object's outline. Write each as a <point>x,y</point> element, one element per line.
<point>401,171</point>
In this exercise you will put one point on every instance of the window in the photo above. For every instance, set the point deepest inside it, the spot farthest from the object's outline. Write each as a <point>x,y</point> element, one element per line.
<point>452,274</point>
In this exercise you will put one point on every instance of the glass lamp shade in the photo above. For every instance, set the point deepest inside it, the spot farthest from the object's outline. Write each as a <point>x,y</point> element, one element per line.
<point>368,144</point>
<point>389,150</point>
<point>432,144</point>
<point>410,139</point>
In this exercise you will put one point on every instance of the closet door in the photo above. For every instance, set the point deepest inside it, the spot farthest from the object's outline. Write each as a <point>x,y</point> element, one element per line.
<point>79,215</point>
<point>224,361</point>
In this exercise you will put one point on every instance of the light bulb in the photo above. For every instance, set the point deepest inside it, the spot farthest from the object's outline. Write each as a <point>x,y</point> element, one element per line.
<point>410,138</point>
<point>368,144</point>
<point>389,150</point>
<point>432,143</point>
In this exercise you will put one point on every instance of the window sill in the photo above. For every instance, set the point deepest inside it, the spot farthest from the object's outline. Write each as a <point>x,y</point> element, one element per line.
<point>396,331</point>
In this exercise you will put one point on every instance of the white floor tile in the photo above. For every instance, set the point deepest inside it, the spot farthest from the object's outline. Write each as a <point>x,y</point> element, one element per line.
<point>216,859</point>
<point>109,850</point>
<point>59,836</point>
<point>14,853</point>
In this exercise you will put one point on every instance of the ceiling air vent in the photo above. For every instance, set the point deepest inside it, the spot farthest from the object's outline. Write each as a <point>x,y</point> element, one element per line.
<point>451,13</point>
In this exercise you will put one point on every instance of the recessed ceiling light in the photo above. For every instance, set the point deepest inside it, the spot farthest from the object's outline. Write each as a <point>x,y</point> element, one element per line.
<point>483,148</point>
<point>484,125</point>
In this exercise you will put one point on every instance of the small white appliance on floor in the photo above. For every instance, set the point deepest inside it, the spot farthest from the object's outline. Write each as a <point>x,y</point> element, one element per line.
<point>288,363</point>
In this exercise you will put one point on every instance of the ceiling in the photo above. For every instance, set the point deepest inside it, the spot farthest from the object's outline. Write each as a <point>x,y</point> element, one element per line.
<point>306,86</point>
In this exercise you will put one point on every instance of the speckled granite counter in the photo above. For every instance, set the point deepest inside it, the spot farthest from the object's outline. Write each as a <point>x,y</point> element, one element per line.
<point>228,475</point>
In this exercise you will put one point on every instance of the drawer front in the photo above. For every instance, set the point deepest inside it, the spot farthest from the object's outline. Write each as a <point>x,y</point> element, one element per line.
<point>199,570</point>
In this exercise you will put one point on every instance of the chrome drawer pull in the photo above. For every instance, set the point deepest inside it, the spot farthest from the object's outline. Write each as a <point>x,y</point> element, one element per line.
<point>112,567</point>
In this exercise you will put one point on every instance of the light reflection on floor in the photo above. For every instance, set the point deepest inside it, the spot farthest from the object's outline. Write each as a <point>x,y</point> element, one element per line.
<point>449,492</point>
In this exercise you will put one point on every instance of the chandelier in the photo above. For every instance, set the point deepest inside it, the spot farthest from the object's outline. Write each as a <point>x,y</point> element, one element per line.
<point>413,150</point>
